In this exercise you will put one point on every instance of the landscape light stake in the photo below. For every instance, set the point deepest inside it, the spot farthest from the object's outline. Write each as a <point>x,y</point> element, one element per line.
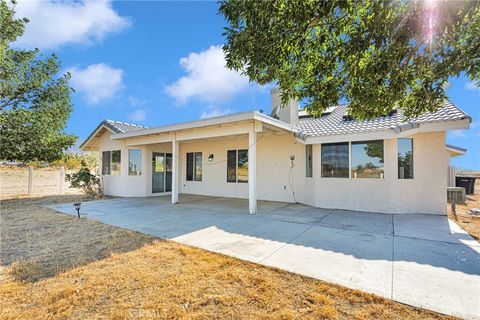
<point>77,206</point>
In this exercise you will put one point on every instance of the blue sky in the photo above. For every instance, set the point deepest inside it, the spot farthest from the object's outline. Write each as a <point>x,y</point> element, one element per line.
<point>155,63</point>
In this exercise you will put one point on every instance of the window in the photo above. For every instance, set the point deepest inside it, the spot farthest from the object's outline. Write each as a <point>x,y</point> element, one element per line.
<point>237,166</point>
<point>134,162</point>
<point>405,158</point>
<point>242,166</point>
<point>335,160</point>
<point>367,159</point>
<point>190,166</point>
<point>111,161</point>
<point>194,166</point>
<point>115,163</point>
<point>308,161</point>
<point>106,162</point>
<point>232,166</point>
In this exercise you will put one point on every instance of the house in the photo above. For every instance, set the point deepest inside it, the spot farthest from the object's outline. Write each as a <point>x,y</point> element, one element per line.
<point>333,161</point>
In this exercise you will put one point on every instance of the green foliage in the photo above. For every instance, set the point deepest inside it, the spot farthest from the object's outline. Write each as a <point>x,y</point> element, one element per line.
<point>375,54</point>
<point>374,150</point>
<point>34,102</point>
<point>74,161</point>
<point>86,180</point>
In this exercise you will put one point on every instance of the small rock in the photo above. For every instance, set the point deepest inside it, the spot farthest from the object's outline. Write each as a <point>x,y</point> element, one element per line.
<point>475,211</point>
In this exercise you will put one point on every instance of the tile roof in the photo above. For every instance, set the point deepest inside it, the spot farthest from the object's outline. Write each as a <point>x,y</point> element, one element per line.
<point>336,122</point>
<point>122,127</point>
<point>115,126</point>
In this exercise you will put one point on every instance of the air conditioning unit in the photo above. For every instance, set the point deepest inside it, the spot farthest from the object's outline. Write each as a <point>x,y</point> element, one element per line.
<point>457,193</point>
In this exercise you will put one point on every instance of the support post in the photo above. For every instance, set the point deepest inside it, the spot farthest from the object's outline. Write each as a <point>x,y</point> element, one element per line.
<point>30,180</point>
<point>252,170</point>
<point>175,168</point>
<point>62,180</point>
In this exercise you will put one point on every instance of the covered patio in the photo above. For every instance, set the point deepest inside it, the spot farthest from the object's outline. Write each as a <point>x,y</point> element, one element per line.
<point>422,260</point>
<point>212,140</point>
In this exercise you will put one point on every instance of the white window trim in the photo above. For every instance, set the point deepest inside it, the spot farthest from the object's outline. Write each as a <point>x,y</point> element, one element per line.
<point>141,162</point>
<point>236,166</point>
<point>414,164</point>
<point>306,161</point>
<point>194,176</point>
<point>350,161</point>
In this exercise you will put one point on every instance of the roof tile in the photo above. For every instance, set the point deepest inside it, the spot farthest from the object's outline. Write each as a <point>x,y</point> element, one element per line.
<point>335,122</point>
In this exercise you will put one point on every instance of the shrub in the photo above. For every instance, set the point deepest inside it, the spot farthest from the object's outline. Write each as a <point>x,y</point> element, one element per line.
<point>87,181</point>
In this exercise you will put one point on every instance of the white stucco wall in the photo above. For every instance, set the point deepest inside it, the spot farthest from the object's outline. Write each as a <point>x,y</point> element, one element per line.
<point>125,185</point>
<point>276,180</point>
<point>273,167</point>
<point>426,193</point>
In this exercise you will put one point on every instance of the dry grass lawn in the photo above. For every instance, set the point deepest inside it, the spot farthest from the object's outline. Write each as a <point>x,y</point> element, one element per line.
<point>38,242</point>
<point>466,220</point>
<point>163,280</point>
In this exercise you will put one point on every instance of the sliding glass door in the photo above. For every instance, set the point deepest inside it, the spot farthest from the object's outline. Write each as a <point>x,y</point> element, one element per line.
<point>161,172</point>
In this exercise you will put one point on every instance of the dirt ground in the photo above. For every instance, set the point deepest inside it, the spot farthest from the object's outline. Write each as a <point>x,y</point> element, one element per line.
<point>68,272</point>
<point>468,221</point>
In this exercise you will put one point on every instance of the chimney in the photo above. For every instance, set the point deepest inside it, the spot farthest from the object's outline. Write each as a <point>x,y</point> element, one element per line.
<point>286,113</point>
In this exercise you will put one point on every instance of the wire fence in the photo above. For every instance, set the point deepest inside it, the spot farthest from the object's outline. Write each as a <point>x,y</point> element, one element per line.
<point>30,181</point>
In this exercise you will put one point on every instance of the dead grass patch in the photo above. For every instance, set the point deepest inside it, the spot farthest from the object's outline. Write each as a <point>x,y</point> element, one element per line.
<point>464,218</point>
<point>169,280</point>
<point>38,242</point>
<point>163,280</point>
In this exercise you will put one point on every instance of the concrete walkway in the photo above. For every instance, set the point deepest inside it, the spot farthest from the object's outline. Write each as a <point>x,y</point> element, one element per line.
<point>421,260</point>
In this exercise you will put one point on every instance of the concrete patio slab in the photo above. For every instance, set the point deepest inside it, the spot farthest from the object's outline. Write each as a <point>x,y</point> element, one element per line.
<point>353,259</point>
<point>435,275</point>
<point>431,227</point>
<point>423,260</point>
<point>377,223</point>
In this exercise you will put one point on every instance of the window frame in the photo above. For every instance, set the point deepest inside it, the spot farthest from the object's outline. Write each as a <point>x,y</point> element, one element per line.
<point>110,163</point>
<point>237,151</point>
<point>413,159</point>
<point>351,143</point>
<point>308,161</point>
<point>119,172</point>
<point>344,143</point>
<point>195,176</point>
<point>138,172</point>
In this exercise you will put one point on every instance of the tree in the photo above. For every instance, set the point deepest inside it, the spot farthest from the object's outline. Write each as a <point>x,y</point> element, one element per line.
<point>34,102</point>
<point>378,55</point>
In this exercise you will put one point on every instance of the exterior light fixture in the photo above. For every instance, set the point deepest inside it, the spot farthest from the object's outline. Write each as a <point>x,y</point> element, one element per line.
<point>77,206</point>
<point>210,158</point>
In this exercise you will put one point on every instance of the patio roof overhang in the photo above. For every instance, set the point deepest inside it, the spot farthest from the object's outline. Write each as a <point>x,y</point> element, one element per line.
<point>230,125</point>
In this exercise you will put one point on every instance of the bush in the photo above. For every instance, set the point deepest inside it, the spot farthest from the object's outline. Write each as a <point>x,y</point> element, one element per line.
<point>89,182</point>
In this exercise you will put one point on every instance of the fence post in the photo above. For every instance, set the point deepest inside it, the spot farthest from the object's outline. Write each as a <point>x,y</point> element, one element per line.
<point>30,180</point>
<point>454,204</point>
<point>62,180</point>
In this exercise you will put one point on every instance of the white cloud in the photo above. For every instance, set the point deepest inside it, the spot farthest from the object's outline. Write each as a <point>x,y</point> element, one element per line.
<point>211,112</point>
<point>135,102</point>
<point>472,86</point>
<point>137,115</point>
<point>207,78</point>
<point>55,23</point>
<point>98,82</point>
<point>458,134</point>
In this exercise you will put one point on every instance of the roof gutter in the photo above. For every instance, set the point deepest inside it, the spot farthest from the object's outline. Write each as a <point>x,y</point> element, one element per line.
<point>242,116</point>
<point>406,127</point>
